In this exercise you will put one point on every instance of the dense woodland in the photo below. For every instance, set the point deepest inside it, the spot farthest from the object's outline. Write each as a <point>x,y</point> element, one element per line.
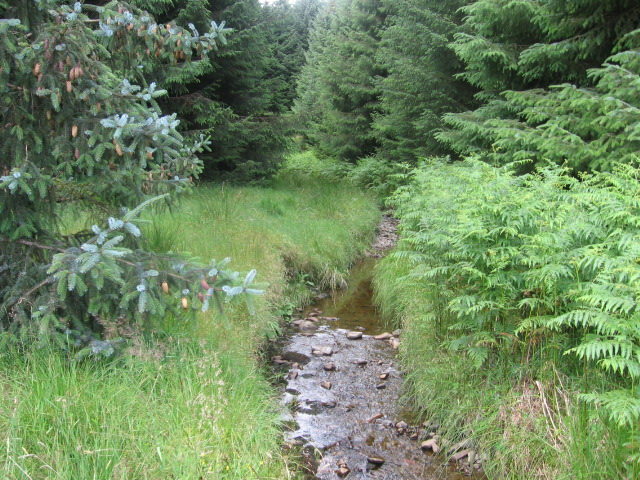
<point>505,134</point>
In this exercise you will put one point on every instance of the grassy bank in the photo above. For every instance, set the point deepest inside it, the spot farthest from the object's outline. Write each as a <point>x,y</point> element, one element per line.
<point>191,402</point>
<point>518,300</point>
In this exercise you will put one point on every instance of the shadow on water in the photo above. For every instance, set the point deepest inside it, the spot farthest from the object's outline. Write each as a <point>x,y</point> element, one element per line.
<point>342,392</point>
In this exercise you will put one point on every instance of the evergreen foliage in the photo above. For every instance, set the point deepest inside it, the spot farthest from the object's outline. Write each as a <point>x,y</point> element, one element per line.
<point>82,127</point>
<point>529,47</point>
<point>339,91</point>
<point>419,87</point>
<point>233,96</point>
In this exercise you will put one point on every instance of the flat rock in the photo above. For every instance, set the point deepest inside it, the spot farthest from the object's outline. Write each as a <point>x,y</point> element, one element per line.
<point>383,336</point>
<point>296,357</point>
<point>354,335</point>
<point>430,444</point>
<point>381,386</point>
<point>375,460</point>
<point>306,325</point>
<point>329,367</point>
<point>460,455</point>
<point>322,350</point>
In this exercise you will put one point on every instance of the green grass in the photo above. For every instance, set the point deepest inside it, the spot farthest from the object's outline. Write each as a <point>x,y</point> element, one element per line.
<point>192,402</point>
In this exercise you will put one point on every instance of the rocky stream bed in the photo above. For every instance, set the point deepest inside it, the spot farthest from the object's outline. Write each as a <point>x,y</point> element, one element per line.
<point>341,390</point>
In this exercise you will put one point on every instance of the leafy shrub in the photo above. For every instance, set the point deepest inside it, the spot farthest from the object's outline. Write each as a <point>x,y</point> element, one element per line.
<point>533,267</point>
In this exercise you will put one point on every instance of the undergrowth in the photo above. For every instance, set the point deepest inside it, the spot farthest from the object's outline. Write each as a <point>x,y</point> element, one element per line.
<point>188,401</point>
<point>519,299</point>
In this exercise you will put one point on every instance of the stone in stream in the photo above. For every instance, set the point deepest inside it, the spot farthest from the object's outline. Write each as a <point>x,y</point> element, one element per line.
<point>381,386</point>
<point>375,417</point>
<point>395,343</point>
<point>322,350</point>
<point>361,363</point>
<point>296,357</point>
<point>329,367</point>
<point>430,444</point>
<point>383,336</point>
<point>375,460</point>
<point>326,384</point>
<point>305,325</point>
<point>383,376</point>
<point>460,455</point>
<point>342,472</point>
<point>293,375</point>
<point>354,335</point>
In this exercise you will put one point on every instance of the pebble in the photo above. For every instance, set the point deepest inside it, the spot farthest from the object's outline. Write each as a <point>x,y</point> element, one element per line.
<point>354,335</point>
<point>321,350</point>
<point>384,376</point>
<point>375,460</point>
<point>326,385</point>
<point>383,336</point>
<point>329,367</point>
<point>460,455</point>
<point>342,472</point>
<point>293,375</point>
<point>381,386</point>
<point>306,325</point>
<point>430,444</point>
<point>361,363</point>
<point>375,417</point>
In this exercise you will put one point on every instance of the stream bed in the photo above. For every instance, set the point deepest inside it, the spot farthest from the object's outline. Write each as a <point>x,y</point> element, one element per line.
<point>341,390</point>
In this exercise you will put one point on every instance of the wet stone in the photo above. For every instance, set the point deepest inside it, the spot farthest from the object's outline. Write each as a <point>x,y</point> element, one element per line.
<point>326,385</point>
<point>296,357</point>
<point>381,386</point>
<point>383,376</point>
<point>354,335</point>
<point>375,460</point>
<point>360,363</point>
<point>383,336</point>
<point>329,367</point>
<point>322,350</point>
<point>375,417</point>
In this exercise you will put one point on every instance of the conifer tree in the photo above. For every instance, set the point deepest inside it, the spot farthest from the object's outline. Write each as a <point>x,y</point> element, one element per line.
<point>420,85</point>
<point>339,86</point>
<point>522,45</point>
<point>81,127</point>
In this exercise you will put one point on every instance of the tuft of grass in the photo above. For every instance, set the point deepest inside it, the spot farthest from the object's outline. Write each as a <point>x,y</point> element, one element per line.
<point>191,402</point>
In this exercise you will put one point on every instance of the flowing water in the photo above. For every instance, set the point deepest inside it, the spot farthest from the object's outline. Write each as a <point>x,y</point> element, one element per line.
<point>343,394</point>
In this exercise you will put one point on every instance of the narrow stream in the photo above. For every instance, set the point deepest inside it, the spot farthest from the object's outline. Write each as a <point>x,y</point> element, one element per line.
<point>343,391</point>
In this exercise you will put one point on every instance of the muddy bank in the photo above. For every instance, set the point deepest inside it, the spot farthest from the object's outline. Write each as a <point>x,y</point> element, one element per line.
<point>341,389</point>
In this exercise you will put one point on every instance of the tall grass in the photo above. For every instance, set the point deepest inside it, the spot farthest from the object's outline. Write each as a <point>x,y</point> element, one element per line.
<point>191,402</point>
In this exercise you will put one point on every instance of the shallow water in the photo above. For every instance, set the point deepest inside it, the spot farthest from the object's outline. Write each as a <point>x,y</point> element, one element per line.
<point>344,405</point>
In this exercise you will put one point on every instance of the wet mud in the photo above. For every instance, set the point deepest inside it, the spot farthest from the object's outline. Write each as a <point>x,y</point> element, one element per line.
<point>341,390</point>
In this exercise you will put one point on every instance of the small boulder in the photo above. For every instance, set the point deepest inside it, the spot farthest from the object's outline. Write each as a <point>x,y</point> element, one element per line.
<point>430,444</point>
<point>322,350</point>
<point>354,335</point>
<point>383,336</point>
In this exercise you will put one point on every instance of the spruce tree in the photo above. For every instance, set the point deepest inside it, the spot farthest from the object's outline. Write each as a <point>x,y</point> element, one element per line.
<point>522,45</point>
<point>339,86</point>
<point>420,85</point>
<point>82,128</point>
